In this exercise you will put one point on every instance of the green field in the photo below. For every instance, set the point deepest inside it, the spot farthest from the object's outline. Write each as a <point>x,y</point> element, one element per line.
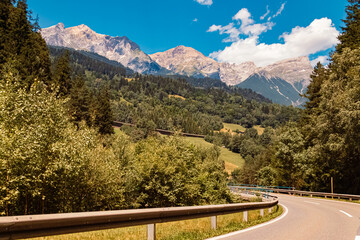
<point>233,127</point>
<point>232,160</point>
<point>259,129</point>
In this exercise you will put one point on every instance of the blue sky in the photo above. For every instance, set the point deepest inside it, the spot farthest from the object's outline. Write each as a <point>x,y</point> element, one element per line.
<point>158,25</point>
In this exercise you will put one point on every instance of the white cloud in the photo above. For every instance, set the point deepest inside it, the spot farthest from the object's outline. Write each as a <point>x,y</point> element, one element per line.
<point>195,20</point>
<point>318,36</point>
<point>278,12</point>
<point>324,60</point>
<point>229,29</point>
<point>267,13</point>
<point>205,2</point>
<point>247,27</point>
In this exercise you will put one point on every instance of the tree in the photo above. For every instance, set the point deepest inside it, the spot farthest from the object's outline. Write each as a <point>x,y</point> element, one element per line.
<point>62,74</point>
<point>79,103</point>
<point>350,37</point>
<point>21,42</point>
<point>103,115</point>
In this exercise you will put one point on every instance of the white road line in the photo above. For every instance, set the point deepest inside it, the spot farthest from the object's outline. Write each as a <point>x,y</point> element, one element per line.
<point>254,227</point>
<point>312,202</point>
<point>345,213</point>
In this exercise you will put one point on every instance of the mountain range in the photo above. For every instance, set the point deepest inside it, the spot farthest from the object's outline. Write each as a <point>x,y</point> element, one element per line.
<point>282,82</point>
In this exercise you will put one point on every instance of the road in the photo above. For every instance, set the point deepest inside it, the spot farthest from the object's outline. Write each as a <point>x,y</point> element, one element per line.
<point>306,218</point>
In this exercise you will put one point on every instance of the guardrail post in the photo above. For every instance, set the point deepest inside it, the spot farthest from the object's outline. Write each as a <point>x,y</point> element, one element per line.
<point>310,195</point>
<point>151,232</point>
<point>270,209</point>
<point>350,199</point>
<point>261,212</point>
<point>213,222</point>
<point>245,216</point>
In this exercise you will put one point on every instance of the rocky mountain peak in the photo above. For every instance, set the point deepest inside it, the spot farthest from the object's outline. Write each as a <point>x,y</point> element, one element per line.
<point>120,49</point>
<point>292,70</point>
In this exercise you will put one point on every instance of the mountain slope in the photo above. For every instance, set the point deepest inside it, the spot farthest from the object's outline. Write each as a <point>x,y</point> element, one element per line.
<point>274,88</point>
<point>120,49</point>
<point>295,71</point>
<point>82,61</point>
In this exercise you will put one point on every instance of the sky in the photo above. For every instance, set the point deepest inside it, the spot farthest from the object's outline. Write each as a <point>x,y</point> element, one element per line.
<point>235,31</point>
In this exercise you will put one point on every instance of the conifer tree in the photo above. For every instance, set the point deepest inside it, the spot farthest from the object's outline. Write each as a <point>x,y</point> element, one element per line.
<point>351,32</point>
<point>22,44</point>
<point>103,117</point>
<point>79,104</point>
<point>62,74</point>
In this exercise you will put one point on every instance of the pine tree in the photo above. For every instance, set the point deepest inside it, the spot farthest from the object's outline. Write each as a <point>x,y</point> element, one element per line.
<point>22,45</point>
<point>351,32</point>
<point>62,74</point>
<point>103,117</point>
<point>79,104</point>
<point>318,76</point>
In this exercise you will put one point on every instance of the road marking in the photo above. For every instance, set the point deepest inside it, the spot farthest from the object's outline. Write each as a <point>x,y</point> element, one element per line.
<point>345,213</point>
<point>254,227</point>
<point>312,202</point>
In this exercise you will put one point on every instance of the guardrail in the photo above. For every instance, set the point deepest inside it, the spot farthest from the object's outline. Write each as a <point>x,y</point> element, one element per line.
<point>253,185</point>
<point>53,224</point>
<point>301,193</point>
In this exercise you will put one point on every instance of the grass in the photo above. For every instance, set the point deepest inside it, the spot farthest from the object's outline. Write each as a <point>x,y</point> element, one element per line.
<point>232,160</point>
<point>194,229</point>
<point>177,96</point>
<point>232,127</point>
<point>259,129</point>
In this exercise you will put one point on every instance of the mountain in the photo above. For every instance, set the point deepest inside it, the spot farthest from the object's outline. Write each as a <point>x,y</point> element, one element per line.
<point>120,49</point>
<point>274,88</point>
<point>190,62</point>
<point>187,61</point>
<point>295,72</point>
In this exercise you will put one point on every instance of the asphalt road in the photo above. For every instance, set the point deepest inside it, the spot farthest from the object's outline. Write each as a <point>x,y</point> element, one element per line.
<point>306,219</point>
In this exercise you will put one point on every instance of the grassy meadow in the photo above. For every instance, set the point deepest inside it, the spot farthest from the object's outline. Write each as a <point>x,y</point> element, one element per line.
<point>232,160</point>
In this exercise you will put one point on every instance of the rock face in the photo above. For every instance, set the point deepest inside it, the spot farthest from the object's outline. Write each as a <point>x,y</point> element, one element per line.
<point>120,49</point>
<point>232,74</point>
<point>190,62</point>
<point>187,61</point>
<point>295,71</point>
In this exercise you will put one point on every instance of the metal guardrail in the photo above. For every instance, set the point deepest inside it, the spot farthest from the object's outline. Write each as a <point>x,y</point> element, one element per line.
<point>253,185</point>
<point>301,193</point>
<point>53,224</point>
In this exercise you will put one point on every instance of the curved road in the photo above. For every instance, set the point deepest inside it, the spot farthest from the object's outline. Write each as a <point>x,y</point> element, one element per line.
<point>306,219</point>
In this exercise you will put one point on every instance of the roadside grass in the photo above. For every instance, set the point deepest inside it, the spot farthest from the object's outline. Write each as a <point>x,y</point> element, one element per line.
<point>232,160</point>
<point>194,229</point>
